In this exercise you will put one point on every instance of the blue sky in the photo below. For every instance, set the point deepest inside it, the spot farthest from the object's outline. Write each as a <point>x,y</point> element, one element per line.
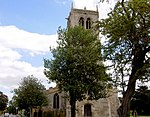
<point>27,29</point>
<point>38,16</point>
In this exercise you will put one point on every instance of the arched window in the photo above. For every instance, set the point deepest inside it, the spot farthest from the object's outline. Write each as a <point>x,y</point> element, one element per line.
<point>88,23</point>
<point>56,101</point>
<point>81,21</point>
<point>87,110</point>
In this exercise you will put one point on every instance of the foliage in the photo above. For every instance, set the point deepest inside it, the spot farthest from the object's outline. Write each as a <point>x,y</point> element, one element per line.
<point>127,46</point>
<point>76,66</point>
<point>141,101</point>
<point>11,108</point>
<point>48,114</point>
<point>54,113</point>
<point>30,93</point>
<point>3,101</point>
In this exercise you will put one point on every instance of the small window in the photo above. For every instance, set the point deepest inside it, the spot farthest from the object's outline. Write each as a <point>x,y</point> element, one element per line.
<point>81,21</point>
<point>56,101</point>
<point>88,23</point>
<point>87,110</point>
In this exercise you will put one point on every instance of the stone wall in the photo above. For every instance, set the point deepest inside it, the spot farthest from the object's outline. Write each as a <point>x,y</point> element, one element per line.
<point>99,108</point>
<point>104,107</point>
<point>50,94</point>
<point>114,102</point>
<point>76,14</point>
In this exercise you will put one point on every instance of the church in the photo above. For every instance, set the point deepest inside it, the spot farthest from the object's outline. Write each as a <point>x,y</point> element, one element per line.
<point>104,107</point>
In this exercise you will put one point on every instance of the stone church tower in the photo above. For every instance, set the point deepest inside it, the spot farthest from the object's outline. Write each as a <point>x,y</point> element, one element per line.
<point>104,107</point>
<point>83,17</point>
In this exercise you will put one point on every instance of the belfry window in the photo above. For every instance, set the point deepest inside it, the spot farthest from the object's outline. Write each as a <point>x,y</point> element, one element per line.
<point>88,23</point>
<point>87,110</point>
<point>81,21</point>
<point>56,101</point>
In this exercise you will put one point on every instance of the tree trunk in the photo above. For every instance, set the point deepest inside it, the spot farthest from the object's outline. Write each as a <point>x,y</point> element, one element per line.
<point>73,104</point>
<point>30,111</point>
<point>124,109</point>
<point>137,64</point>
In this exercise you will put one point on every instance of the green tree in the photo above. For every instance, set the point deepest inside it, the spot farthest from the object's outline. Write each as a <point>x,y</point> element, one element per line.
<point>11,108</point>
<point>29,94</point>
<point>76,66</point>
<point>3,101</point>
<point>141,101</point>
<point>127,46</point>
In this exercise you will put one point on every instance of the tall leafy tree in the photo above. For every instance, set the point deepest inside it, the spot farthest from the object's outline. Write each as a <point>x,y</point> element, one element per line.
<point>76,65</point>
<point>141,101</point>
<point>3,101</point>
<point>127,46</point>
<point>11,108</point>
<point>30,93</point>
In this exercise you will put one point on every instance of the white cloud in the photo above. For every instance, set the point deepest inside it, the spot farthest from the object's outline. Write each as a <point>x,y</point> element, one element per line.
<point>13,37</point>
<point>63,2</point>
<point>8,54</point>
<point>89,4</point>
<point>103,8</point>
<point>12,68</point>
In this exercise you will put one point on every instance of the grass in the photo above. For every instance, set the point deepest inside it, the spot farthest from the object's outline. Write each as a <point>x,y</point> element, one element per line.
<point>138,115</point>
<point>141,116</point>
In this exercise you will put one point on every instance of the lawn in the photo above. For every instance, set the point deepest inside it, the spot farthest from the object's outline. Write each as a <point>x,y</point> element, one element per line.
<point>141,116</point>
<point>138,115</point>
